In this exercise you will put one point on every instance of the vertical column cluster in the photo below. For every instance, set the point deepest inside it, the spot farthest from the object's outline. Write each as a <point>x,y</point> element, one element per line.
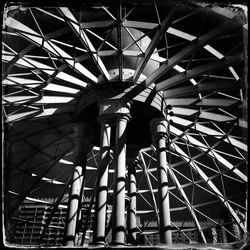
<point>115,112</point>
<point>159,130</point>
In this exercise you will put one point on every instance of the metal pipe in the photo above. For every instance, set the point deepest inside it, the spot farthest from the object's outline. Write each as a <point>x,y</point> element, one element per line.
<point>118,230</point>
<point>159,130</point>
<point>101,200</point>
<point>82,139</point>
<point>132,203</point>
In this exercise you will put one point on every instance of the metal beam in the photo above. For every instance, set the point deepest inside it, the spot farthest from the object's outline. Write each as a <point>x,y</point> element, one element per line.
<point>119,41</point>
<point>32,185</point>
<point>204,102</point>
<point>19,116</point>
<point>39,201</point>
<point>150,187</point>
<point>38,100</point>
<point>104,40</point>
<point>35,65</point>
<point>15,58</point>
<point>55,207</point>
<point>70,19</point>
<point>41,149</point>
<point>55,111</point>
<point>187,202</point>
<point>209,131</point>
<point>36,132</point>
<point>210,184</point>
<point>19,99</point>
<point>139,25</point>
<point>151,47</point>
<point>201,88</point>
<point>39,113</point>
<point>61,89</point>
<point>57,33</point>
<point>12,80</point>
<point>103,53</point>
<point>191,48</point>
<point>97,24</point>
<point>202,114</point>
<point>197,71</point>
<point>49,46</point>
<point>204,148</point>
<point>135,41</point>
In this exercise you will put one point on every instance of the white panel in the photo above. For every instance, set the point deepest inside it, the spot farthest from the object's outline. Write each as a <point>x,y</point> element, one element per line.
<point>137,24</point>
<point>181,34</point>
<point>157,58</point>
<point>184,111</point>
<point>54,99</point>
<point>53,181</point>
<point>30,63</point>
<point>13,23</point>
<point>60,88</point>
<point>18,99</point>
<point>234,73</point>
<point>215,117</point>
<point>213,51</point>
<point>19,116</point>
<point>47,112</point>
<point>179,68</point>
<point>7,58</point>
<point>66,162</point>
<point>51,111</point>
<point>203,114</point>
<point>21,80</point>
<point>71,79</point>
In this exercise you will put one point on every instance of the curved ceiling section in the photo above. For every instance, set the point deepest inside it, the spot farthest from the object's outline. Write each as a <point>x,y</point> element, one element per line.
<point>190,60</point>
<point>46,68</point>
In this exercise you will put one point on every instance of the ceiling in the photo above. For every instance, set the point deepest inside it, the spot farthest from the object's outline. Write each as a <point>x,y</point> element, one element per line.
<point>58,62</point>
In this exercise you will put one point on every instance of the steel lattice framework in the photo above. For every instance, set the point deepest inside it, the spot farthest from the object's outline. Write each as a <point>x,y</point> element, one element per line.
<point>187,62</point>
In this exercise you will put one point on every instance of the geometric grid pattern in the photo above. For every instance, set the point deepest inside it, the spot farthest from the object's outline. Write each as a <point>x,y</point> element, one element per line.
<point>189,58</point>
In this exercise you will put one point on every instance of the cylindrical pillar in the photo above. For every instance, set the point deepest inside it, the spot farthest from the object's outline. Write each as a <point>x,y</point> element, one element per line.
<point>131,216</point>
<point>118,230</point>
<point>74,205</point>
<point>159,128</point>
<point>102,189</point>
<point>82,139</point>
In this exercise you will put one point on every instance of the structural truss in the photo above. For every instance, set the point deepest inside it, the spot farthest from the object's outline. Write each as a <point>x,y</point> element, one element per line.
<point>186,62</point>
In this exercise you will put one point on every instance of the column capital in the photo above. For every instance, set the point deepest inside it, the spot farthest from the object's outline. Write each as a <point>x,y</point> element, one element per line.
<point>159,128</point>
<point>112,109</point>
<point>159,125</point>
<point>83,133</point>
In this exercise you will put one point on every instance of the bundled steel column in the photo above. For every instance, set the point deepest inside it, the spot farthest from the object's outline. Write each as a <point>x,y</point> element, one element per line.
<point>113,111</point>
<point>102,189</point>
<point>159,129</point>
<point>131,216</point>
<point>118,230</point>
<point>82,139</point>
